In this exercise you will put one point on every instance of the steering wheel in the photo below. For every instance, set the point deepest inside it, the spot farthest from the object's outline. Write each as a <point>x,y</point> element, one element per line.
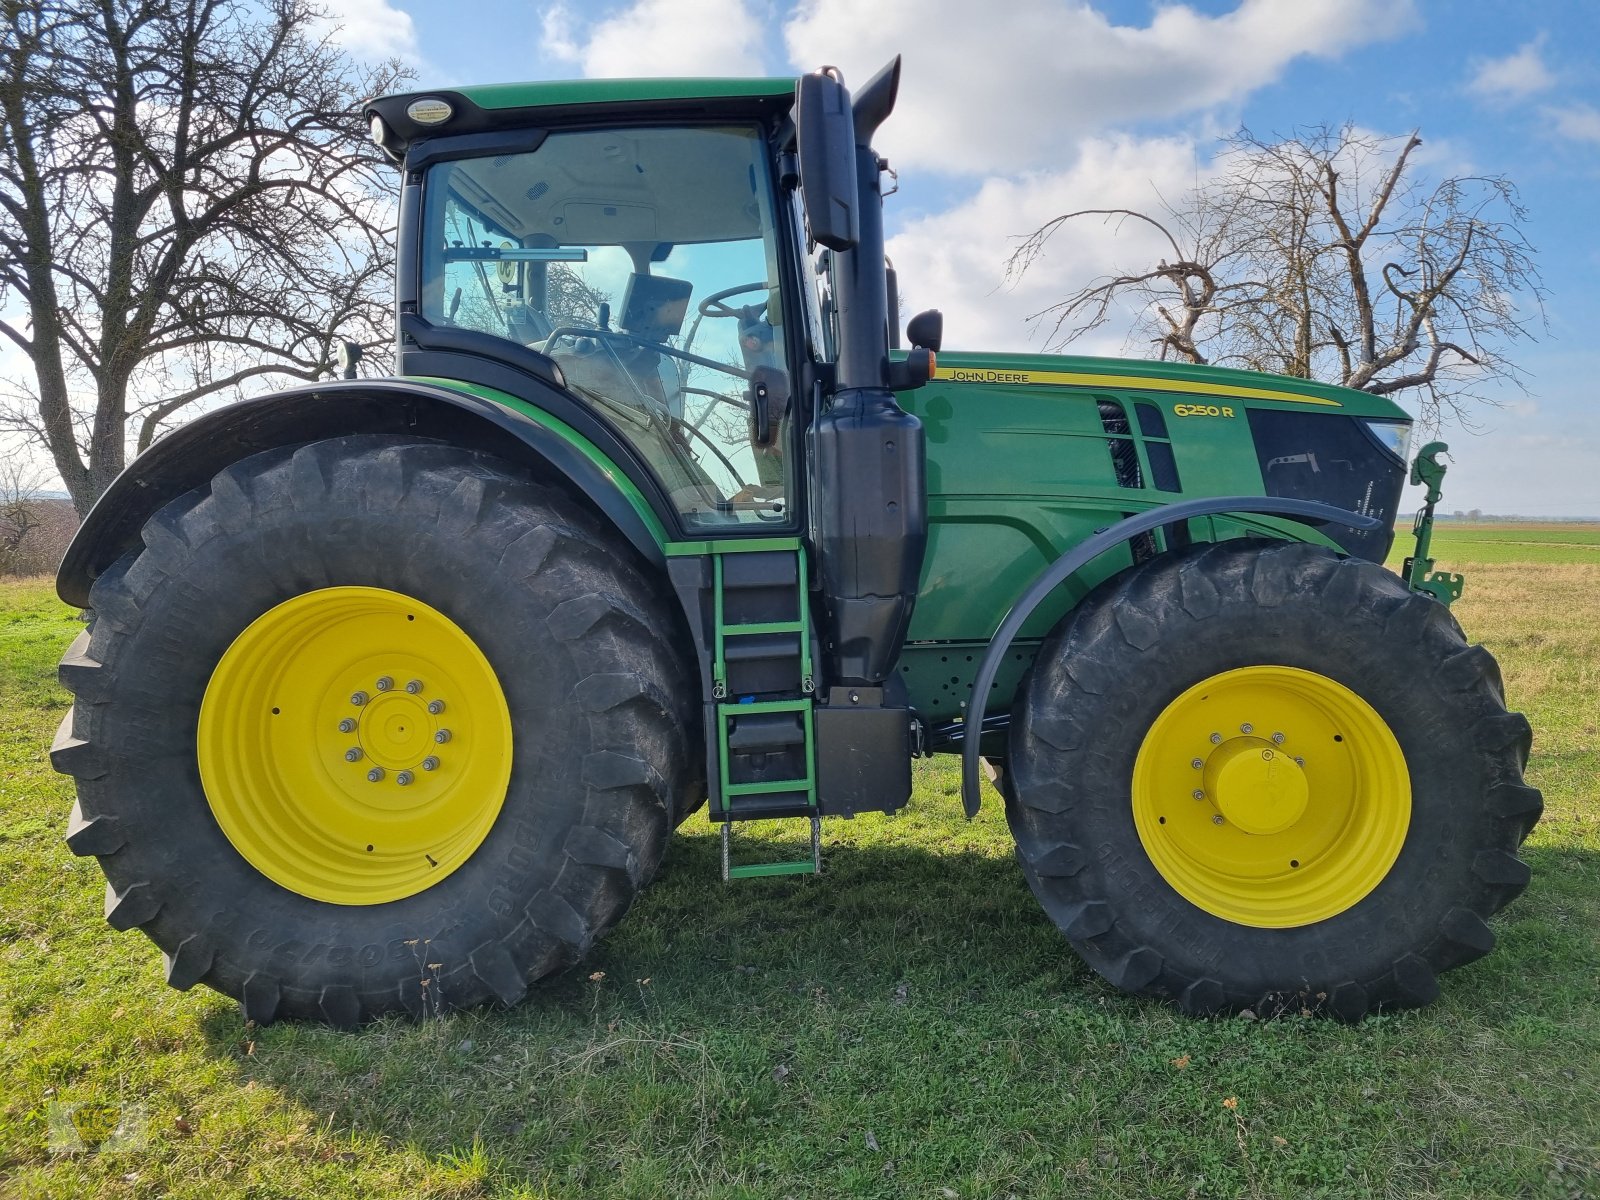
<point>713,306</point>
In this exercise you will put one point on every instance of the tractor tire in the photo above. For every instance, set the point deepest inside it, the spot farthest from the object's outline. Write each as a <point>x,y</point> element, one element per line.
<point>376,725</point>
<point>1260,775</point>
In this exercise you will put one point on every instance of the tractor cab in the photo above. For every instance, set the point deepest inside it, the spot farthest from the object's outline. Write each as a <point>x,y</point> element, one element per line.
<point>651,265</point>
<point>649,260</point>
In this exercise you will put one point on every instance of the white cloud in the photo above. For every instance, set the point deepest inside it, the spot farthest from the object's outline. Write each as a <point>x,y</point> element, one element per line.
<point>955,260</point>
<point>1514,76</point>
<point>1020,86</point>
<point>661,37</point>
<point>373,29</point>
<point>1579,122</point>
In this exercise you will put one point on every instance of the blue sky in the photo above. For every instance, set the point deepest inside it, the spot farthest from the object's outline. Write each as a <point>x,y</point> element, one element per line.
<point>1010,113</point>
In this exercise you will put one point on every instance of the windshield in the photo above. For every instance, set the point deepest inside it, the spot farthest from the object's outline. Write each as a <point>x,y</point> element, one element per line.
<point>645,262</point>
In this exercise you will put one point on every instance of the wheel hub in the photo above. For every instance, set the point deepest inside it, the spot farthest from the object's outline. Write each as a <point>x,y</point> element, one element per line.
<point>354,745</point>
<point>395,730</point>
<point>1255,787</point>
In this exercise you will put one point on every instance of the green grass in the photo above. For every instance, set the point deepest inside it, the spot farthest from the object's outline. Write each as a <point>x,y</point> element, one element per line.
<point>907,1025</point>
<point>1455,543</point>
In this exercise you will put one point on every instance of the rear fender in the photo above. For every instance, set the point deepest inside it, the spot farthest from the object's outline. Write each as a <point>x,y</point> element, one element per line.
<point>191,455</point>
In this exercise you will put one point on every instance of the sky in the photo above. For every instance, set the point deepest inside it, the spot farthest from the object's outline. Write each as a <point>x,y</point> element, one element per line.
<point>1013,112</point>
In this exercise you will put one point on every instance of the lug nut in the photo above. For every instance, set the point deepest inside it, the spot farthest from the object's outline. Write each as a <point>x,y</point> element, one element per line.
<point>403,778</point>
<point>442,736</point>
<point>1196,763</point>
<point>358,699</point>
<point>1278,737</point>
<point>1217,820</point>
<point>385,683</point>
<point>1247,728</point>
<point>1216,739</point>
<point>347,726</point>
<point>353,754</point>
<point>430,763</point>
<point>1199,795</point>
<point>436,707</point>
<point>414,686</point>
<point>1299,762</point>
<point>374,775</point>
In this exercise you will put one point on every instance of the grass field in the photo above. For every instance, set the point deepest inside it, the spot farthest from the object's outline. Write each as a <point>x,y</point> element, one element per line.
<point>1511,542</point>
<point>907,1025</point>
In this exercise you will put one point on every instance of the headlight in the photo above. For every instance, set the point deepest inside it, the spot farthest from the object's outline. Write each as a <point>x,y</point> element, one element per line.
<point>1393,436</point>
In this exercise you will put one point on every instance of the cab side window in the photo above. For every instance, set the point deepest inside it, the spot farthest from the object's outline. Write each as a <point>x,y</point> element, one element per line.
<point>645,262</point>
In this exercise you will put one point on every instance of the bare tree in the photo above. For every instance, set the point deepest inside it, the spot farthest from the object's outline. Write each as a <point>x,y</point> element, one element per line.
<point>188,203</point>
<point>1323,256</point>
<point>20,514</point>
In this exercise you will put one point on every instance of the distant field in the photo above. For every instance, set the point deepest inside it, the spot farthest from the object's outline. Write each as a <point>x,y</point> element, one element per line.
<point>908,1025</point>
<point>1456,542</point>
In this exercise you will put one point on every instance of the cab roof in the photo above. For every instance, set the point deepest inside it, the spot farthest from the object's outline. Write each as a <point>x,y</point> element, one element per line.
<point>562,93</point>
<point>486,108</point>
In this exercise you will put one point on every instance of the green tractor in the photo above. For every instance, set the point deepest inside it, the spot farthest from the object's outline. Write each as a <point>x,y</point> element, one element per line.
<point>393,689</point>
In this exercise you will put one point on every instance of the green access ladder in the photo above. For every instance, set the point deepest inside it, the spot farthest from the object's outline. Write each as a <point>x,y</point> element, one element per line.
<point>762,687</point>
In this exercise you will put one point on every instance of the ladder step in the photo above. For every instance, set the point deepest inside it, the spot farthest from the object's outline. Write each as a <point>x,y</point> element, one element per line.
<point>760,806</point>
<point>766,787</point>
<point>811,866</point>
<point>774,732</point>
<point>765,627</point>
<point>740,709</point>
<point>754,870</point>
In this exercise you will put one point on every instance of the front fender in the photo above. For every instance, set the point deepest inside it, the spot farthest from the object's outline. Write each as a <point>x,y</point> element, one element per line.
<point>1311,512</point>
<point>189,456</point>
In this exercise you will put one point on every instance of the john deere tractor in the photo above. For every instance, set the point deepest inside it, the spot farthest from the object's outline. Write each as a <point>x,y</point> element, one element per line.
<point>393,689</point>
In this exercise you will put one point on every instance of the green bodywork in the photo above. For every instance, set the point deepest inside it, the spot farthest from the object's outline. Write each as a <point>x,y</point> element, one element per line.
<point>1018,473</point>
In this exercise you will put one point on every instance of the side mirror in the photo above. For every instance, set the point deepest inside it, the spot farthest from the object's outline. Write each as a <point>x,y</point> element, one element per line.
<point>826,133</point>
<point>926,329</point>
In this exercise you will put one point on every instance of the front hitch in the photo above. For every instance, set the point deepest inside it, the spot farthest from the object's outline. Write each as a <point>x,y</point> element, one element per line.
<point>1427,471</point>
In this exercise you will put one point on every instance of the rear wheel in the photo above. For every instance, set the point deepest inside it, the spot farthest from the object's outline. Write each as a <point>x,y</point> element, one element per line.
<point>1249,774</point>
<point>375,725</point>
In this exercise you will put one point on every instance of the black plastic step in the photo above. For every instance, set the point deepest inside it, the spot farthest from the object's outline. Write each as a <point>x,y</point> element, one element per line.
<point>760,588</point>
<point>765,806</point>
<point>762,663</point>
<point>765,731</point>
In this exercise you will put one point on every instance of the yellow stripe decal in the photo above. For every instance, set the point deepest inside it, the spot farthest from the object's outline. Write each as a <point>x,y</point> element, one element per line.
<point>1135,382</point>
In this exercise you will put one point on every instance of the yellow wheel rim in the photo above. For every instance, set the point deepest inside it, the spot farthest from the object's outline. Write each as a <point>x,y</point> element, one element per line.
<point>354,745</point>
<point>1271,796</point>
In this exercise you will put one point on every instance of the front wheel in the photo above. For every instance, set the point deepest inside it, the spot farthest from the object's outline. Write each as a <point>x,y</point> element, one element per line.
<point>1248,775</point>
<point>376,725</point>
